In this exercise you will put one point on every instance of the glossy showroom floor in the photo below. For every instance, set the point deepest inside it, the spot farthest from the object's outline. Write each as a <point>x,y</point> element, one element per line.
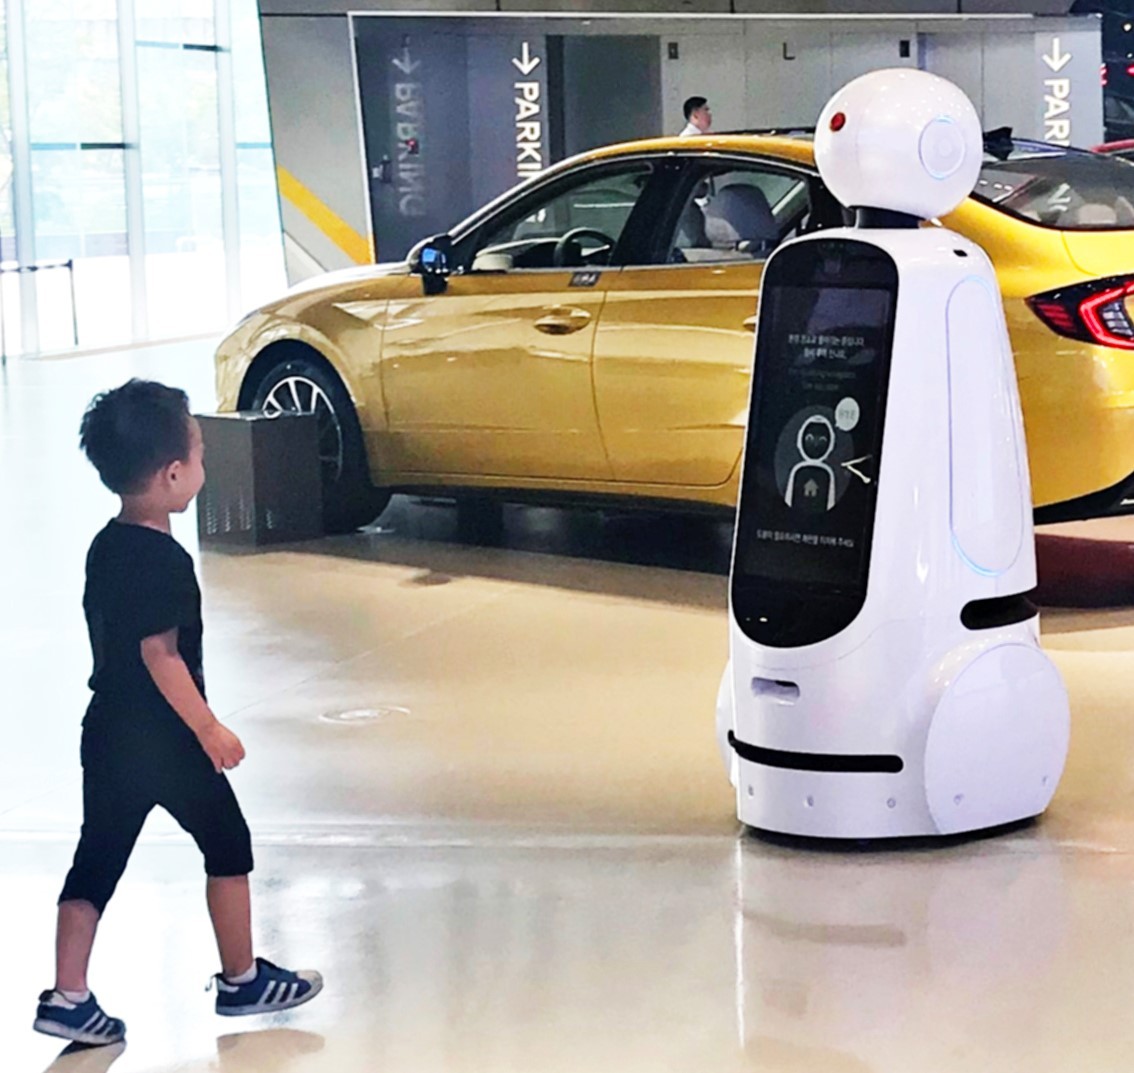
<point>526,858</point>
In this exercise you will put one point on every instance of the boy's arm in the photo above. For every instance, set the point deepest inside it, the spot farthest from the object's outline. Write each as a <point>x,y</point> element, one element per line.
<point>175,683</point>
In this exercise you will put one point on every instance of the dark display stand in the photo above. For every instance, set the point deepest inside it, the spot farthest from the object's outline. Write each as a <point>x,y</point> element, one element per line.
<point>262,483</point>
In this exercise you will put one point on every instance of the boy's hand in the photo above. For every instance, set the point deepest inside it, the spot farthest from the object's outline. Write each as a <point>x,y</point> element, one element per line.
<point>221,746</point>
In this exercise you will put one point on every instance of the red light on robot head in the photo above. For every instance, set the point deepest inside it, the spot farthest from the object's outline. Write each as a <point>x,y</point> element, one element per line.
<point>838,121</point>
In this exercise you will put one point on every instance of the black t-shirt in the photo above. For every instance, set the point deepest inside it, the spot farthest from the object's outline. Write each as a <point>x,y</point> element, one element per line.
<point>140,582</point>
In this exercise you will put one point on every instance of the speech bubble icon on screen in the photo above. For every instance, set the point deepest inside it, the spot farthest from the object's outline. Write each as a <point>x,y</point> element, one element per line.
<point>847,414</point>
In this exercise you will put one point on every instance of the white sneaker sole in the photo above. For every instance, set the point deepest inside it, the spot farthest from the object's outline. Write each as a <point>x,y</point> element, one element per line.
<point>53,1028</point>
<point>270,1007</point>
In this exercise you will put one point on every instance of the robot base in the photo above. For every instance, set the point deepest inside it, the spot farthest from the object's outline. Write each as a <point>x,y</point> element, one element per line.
<point>992,754</point>
<point>898,842</point>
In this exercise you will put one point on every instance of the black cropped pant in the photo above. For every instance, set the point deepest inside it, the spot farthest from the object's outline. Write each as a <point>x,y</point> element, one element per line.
<point>123,781</point>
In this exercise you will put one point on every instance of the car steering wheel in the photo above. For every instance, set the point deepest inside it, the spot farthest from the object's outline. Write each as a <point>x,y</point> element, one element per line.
<point>569,240</point>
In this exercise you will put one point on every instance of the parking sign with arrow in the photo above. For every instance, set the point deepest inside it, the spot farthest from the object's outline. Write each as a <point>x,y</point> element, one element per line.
<point>1069,103</point>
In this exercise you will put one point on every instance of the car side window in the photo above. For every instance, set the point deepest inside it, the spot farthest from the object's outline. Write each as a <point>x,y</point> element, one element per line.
<point>576,224</point>
<point>731,213</point>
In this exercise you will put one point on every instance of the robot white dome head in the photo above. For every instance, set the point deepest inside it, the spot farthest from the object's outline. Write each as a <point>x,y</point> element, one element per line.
<point>902,140</point>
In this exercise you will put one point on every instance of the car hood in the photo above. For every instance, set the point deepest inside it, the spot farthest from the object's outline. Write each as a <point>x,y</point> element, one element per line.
<point>331,287</point>
<point>344,276</point>
<point>1101,253</point>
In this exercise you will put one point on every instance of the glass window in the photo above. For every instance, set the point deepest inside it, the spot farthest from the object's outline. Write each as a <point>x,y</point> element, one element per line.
<point>7,221</point>
<point>176,21</point>
<point>181,191</point>
<point>737,214</point>
<point>9,282</point>
<point>80,215</point>
<point>74,92</point>
<point>78,192</point>
<point>578,226</point>
<point>1064,188</point>
<point>86,201</point>
<point>262,274</point>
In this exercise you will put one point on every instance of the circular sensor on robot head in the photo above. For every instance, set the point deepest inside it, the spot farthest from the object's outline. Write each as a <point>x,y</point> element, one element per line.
<point>942,147</point>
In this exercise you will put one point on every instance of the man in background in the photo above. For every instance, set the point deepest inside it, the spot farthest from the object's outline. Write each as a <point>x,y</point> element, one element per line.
<point>698,117</point>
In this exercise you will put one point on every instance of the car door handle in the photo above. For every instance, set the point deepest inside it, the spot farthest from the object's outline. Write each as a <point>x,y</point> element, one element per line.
<point>563,320</point>
<point>750,323</point>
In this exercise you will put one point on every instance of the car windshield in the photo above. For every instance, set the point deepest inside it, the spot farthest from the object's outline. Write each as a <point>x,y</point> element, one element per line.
<point>1069,189</point>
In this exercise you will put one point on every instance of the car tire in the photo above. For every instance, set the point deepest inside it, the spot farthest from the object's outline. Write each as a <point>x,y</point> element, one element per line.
<point>304,385</point>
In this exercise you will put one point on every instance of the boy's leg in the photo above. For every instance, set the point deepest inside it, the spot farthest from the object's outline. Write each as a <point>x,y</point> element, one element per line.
<point>74,937</point>
<point>231,911</point>
<point>114,811</point>
<point>203,803</point>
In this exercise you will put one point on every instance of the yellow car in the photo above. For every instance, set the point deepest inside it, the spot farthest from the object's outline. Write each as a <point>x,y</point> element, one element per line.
<point>589,333</point>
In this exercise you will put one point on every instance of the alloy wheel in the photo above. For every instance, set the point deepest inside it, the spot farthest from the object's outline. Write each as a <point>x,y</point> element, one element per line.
<point>301,395</point>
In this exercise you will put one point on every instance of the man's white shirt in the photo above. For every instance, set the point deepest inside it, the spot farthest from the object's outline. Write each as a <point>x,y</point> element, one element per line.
<point>691,131</point>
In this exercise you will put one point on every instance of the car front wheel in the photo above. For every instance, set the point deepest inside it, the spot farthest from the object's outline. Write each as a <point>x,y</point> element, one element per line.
<point>304,386</point>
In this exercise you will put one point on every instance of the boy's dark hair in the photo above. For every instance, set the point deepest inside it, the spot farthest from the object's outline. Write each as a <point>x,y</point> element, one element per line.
<point>692,104</point>
<point>133,431</point>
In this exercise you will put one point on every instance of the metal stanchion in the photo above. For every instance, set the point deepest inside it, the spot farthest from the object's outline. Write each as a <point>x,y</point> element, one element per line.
<point>14,267</point>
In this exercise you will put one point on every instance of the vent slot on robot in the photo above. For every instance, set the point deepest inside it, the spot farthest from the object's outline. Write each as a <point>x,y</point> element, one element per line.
<point>997,612</point>
<point>778,692</point>
<point>835,763</point>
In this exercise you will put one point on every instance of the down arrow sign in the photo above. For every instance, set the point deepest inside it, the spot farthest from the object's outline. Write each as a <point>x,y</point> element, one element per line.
<point>406,64</point>
<point>526,62</point>
<point>1058,59</point>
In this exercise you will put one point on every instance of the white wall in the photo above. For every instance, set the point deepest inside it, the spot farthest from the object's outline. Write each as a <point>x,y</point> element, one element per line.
<point>854,53</point>
<point>781,74</point>
<point>1007,93</point>
<point>953,56</point>
<point>311,96</point>
<point>789,73</point>
<point>708,65</point>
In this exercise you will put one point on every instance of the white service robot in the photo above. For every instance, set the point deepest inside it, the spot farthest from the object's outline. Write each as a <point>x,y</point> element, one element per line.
<point>885,674</point>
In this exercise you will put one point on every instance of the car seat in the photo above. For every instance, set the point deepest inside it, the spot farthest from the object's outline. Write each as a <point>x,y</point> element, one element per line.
<point>739,216</point>
<point>1097,214</point>
<point>691,228</point>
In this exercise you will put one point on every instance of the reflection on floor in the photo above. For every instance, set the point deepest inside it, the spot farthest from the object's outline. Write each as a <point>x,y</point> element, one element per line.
<point>488,805</point>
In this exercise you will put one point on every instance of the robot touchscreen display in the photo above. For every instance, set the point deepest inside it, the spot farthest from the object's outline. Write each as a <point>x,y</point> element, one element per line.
<point>815,427</point>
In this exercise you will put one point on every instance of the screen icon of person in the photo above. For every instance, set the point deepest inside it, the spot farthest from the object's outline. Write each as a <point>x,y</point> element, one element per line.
<point>811,479</point>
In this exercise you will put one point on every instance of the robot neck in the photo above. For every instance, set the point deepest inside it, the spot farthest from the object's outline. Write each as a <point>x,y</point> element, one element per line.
<point>889,219</point>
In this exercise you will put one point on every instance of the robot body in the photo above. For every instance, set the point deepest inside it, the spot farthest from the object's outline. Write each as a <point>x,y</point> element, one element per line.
<point>885,673</point>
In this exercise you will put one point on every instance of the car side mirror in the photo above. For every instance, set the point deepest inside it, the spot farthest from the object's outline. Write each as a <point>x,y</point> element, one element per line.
<point>433,264</point>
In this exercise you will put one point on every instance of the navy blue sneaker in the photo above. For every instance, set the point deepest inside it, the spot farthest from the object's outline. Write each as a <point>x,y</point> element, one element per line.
<point>80,1022</point>
<point>272,990</point>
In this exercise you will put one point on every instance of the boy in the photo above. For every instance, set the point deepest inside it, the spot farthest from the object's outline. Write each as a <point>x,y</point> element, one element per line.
<point>149,737</point>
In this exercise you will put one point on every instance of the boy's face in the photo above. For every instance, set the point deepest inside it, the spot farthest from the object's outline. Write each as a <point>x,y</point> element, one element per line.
<point>185,478</point>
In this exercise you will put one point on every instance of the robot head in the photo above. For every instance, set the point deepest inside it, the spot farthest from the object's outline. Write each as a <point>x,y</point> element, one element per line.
<point>900,139</point>
<point>816,439</point>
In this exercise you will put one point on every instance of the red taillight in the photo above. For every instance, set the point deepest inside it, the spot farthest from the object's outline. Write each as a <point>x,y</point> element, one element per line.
<point>1059,317</point>
<point>1106,318</point>
<point>1091,312</point>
